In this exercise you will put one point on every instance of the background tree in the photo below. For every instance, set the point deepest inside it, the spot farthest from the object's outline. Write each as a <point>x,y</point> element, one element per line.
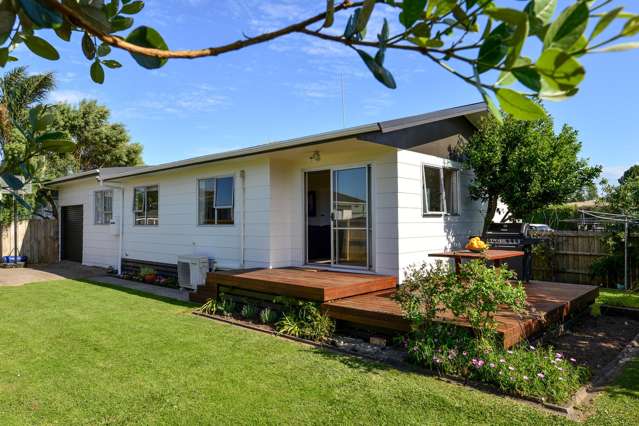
<point>98,142</point>
<point>586,193</point>
<point>525,164</point>
<point>631,173</point>
<point>467,38</point>
<point>623,198</point>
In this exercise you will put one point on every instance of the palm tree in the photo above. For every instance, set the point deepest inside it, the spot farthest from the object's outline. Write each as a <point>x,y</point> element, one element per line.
<point>19,91</point>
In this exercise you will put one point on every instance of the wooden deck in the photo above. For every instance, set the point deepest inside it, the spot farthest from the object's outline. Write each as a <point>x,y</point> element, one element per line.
<point>549,303</point>
<point>302,283</point>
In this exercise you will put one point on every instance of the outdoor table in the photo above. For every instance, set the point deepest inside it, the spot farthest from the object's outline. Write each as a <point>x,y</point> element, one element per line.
<point>496,256</point>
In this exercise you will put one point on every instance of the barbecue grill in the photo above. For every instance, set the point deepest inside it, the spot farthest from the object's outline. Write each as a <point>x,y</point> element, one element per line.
<point>513,236</point>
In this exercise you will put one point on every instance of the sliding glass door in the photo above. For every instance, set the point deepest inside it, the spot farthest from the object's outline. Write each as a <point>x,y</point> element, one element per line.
<point>337,217</point>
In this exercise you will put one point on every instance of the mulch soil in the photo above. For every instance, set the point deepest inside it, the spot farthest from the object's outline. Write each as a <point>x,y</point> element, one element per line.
<point>595,342</point>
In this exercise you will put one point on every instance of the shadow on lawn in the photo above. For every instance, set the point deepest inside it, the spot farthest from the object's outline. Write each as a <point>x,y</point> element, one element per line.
<point>352,361</point>
<point>140,293</point>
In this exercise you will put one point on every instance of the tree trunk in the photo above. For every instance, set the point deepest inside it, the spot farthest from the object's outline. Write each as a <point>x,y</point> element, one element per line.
<point>490,214</point>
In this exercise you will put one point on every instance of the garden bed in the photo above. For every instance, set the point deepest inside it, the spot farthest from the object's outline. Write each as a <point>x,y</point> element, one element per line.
<point>595,343</point>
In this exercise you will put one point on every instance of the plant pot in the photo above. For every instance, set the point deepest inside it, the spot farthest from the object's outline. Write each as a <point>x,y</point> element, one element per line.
<point>150,278</point>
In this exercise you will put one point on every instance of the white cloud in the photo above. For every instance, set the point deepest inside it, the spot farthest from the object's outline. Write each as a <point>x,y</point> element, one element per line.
<point>68,96</point>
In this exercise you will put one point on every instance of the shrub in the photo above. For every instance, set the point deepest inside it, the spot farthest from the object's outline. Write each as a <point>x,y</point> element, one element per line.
<point>479,293</point>
<point>146,270</point>
<point>268,316</point>
<point>225,306</point>
<point>423,292</point>
<point>209,307</point>
<point>249,311</point>
<point>524,371</point>
<point>304,319</point>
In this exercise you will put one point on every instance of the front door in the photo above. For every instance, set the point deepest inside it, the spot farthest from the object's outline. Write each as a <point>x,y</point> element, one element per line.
<point>337,217</point>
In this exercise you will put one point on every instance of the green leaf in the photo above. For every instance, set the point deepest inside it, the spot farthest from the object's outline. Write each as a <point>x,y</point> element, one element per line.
<point>604,22</point>
<point>132,8</point>
<point>41,15</point>
<point>544,9</point>
<point>529,77</point>
<point>147,37</point>
<point>494,49</point>
<point>492,107</point>
<point>97,72</point>
<point>104,49</point>
<point>568,27</point>
<point>4,56</point>
<point>518,105</point>
<point>88,47</point>
<point>11,181</point>
<point>55,142</point>
<point>110,63</point>
<point>41,47</point>
<point>631,28</point>
<point>561,70</point>
<point>426,42</point>
<point>412,11</point>
<point>121,23</point>
<point>379,72</point>
<point>621,47</point>
<point>330,14</point>
<point>7,20</point>
<point>365,14</point>
<point>64,31</point>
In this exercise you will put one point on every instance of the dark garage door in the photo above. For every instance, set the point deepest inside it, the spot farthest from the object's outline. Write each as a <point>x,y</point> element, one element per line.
<point>72,233</point>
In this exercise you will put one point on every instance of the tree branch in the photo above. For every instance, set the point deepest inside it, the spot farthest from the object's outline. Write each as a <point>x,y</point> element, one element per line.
<point>118,42</point>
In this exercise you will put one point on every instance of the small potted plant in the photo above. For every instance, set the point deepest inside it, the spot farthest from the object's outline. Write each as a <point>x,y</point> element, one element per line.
<point>148,274</point>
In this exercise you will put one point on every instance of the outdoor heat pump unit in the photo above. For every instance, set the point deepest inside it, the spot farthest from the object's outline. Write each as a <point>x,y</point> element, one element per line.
<point>192,271</point>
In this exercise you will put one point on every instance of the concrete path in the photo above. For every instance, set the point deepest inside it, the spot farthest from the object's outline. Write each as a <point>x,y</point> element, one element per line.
<point>170,293</point>
<point>37,273</point>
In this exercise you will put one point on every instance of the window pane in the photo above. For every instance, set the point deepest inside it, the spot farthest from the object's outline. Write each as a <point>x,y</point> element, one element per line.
<point>206,194</point>
<point>225,216</point>
<point>450,184</point>
<point>152,205</point>
<point>99,214</point>
<point>432,189</point>
<point>224,194</point>
<point>138,200</point>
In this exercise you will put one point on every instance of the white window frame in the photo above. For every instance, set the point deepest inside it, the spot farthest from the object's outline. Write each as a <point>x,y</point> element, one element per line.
<point>215,206</point>
<point>145,188</point>
<point>442,189</point>
<point>96,206</point>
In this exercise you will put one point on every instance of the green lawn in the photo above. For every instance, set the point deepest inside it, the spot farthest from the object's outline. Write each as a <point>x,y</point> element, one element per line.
<point>72,352</point>
<point>614,297</point>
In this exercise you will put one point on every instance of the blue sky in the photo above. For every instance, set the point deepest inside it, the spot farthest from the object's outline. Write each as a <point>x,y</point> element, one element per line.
<point>291,87</point>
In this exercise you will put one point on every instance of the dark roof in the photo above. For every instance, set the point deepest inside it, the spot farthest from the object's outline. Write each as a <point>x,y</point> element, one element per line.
<point>102,173</point>
<point>470,113</point>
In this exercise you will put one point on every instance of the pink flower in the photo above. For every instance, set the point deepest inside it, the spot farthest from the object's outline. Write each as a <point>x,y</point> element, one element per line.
<point>558,355</point>
<point>540,375</point>
<point>492,365</point>
<point>502,360</point>
<point>510,352</point>
<point>511,368</point>
<point>560,369</point>
<point>465,353</point>
<point>532,348</point>
<point>525,377</point>
<point>478,363</point>
<point>573,360</point>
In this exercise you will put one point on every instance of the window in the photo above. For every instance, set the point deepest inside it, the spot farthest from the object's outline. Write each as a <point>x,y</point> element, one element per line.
<point>440,190</point>
<point>146,205</point>
<point>215,201</point>
<point>103,201</point>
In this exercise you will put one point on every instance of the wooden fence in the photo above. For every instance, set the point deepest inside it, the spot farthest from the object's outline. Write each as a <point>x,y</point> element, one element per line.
<point>37,239</point>
<point>569,255</point>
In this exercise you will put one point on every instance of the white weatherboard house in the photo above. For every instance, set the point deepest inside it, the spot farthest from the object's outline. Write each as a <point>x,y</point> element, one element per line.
<point>376,198</point>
